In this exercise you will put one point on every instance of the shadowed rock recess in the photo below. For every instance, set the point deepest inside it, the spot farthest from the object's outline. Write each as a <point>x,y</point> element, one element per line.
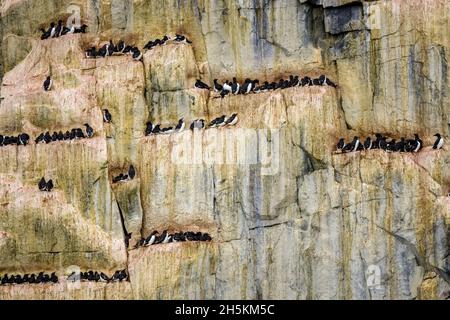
<point>289,218</point>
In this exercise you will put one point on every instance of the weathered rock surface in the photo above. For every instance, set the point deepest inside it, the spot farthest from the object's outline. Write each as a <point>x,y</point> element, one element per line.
<point>290,219</point>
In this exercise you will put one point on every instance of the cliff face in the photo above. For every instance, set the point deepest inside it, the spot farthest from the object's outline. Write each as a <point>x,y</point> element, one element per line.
<point>289,218</point>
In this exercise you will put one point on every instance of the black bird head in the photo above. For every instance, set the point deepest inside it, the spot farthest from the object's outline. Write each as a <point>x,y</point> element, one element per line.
<point>87,125</point>
<point>256,81</point>
<point>437,135</point>
<point>378,135</point>
<point>355,138</point>
<point>59,22</point>
<point>48,77</point>
<point>234,79</point>
<point>52,24</point>
<point>416,135</point>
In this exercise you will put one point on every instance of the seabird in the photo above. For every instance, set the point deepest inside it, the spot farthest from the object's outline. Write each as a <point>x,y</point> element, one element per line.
<point>40,138</point>
<point>67,135</point>
<point>416,136</point>
<point>60,136</point>
<point>137,54</point>
<point>227,86</point>
<point>149,45</point>
<point>79,133</point>
<point>235,86</point>
<point>81,29</point>
<point>376,144</point>
<point>246,86</point>
<point>123,275</point>
<point>131,172</point>
<point>223,93</point>
<point>151,238</point>
<point>111,48</point>
<point>47,137</point>
<point>89,130</point>
<point>167,237</point>
<point>201,85</point>
<point>368,144</point>
<point>103,51</point>
<point>231,121</point>
<point>341,144</point>
<point>401,145</point>
<point>167,130</point>
<point>58,29</point>
<point>180,126</point>
<point>49,185</point>
<point>104,277</point>
<point>106,116</point>
<point>54,136</point>
<point>156,129</point>
<point>355,143</point>
<point>217,87</point>
<point>182,39</point>
<point>383,144</point>
<point>52,29</point>
<point>23,139</point>
<point>148,128</point>
<point>91,53</point>
<point>53,277</point>
<point>215,122</point>
<point>42,184</point>
<point>115,276</point>
<point>46,34</point>
<point>439,143</point>
<point>120,46</point>
<point>392,146</point>
<point>48,84</point>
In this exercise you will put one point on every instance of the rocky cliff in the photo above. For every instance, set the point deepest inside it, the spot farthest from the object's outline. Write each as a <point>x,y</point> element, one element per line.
<point>289,217</point>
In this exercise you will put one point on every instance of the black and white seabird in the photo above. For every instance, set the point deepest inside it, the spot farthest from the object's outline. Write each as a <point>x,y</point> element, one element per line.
<point>58,29</point>
<point>106,116</point>
<point>39,139</point>
<point>103,277</point>
<point>23,139</point>
<point>217,121</point>
<point>48,84</point>
<point>400,147</point>
<point>355,143</point>
<point>81,29</point>
<point>227,86</point>
<point>376,143</point>
<point>53,277</point>
<point>91,53</point>
<point>383,144</point>
<point>103,51</point>
<point>148,128</point>
<point>341,144</point>
<point>182,39</point>
<point>52,29</point>
<point>42,184</point>
<point>46,34</point>
<point>201,85</point>
<point>47,137</point>
<point>217,87</point>
<point>54,136</point>
<point>235,86</point>
<point>49,185</point>
<point>439,143</point>
<point>120,47</point>
<point>131,172</point>
<point>368,144</point>
<point>156,129</point>
<point>231,121</point>
<point>137,54</point>
<point>111,48</point>
<point>416,136</point>
<point>392,145</point>
<point>89,130</point>
<point>180,126</point>
<point>151,238</point>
